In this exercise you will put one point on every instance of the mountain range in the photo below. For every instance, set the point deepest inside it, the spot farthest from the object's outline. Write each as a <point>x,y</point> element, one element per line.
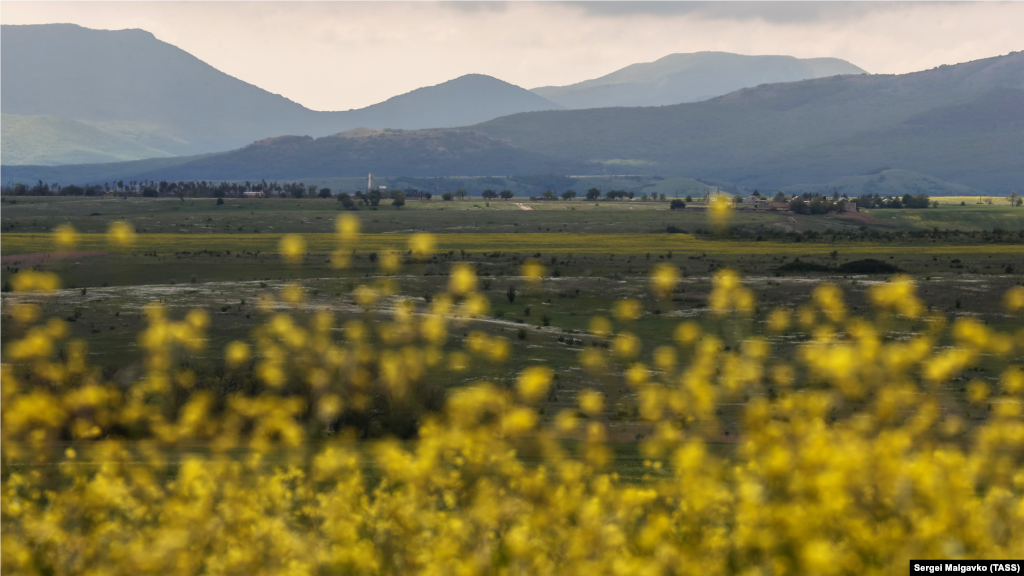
<point>137,97</point>
<point>679,78</point>
<point>75,95</point>
<point>961,123</point>
<point>947,128</point>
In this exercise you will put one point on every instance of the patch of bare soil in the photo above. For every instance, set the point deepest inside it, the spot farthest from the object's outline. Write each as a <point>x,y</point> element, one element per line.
<point>862,217</point>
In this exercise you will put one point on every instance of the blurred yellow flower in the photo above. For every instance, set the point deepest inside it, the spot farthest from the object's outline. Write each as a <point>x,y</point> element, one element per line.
<point>236,353</point>
<point>591,402</point>
<point>664,278</point>
<point>422,244</point>
<point>533,270</point>
<point>463,279</point>
<point>347,226</point>
<point>1013,300</point>
<point>293,248</point>
<point>533,383</point>
<point>628,309</point>
<point>31,281</point>
<point>600,326</point>
<point>121,234</point>
<point>65,236</point>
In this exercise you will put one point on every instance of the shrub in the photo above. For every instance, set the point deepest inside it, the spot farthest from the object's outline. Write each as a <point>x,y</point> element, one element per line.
<point>867,266</point>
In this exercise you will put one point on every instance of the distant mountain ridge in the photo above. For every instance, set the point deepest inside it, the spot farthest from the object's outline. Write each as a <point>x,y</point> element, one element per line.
<point>961,123</point>
<point>681,78</point>
<point>137,89</point>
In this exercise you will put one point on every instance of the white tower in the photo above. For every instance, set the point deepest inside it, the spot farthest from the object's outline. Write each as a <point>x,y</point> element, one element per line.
<point>369,183</point>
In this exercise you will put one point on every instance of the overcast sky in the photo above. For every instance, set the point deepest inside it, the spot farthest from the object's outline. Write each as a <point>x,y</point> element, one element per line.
<point>341,55</point>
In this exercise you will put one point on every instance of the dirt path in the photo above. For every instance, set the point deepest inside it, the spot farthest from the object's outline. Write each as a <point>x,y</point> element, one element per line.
<point>521,207</point>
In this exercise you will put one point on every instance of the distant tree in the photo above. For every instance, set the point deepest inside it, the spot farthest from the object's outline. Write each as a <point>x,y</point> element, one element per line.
<point>507,194</point>
<point>220,201</point>
<point>593,194</point>
<point>325,193</point>
<point>662,198</point>
<point>1013,199</point>
<point>988,201</point>
<point>446,196</point>
<point>511,294</point>
<point>568,195</point>
<point>461,193</point>
<point>677,204</point>
<point>148,192</point>
<point>311,191</point>
<point>373,197</point>
<point>398,199</point>
<point>427,195</point>
<point>489,194</point>
<point>689,198</point>
<point>346,201</point>
<point>780,197</point>
<point>631,194</point>
<point>549,195</point>
<point>799,206</point>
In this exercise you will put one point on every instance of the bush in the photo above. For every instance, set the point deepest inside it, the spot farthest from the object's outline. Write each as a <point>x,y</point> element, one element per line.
<point>799,267</point>
<point>867,266</point>
<point>677,204</point>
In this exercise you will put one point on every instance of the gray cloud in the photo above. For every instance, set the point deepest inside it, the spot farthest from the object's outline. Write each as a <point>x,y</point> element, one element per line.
<point>769,10</point>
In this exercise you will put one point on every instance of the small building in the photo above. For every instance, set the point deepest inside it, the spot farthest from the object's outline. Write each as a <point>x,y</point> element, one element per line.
<point>253,194</point>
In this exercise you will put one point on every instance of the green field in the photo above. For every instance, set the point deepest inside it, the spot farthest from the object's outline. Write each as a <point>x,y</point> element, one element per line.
<point>195,254</point>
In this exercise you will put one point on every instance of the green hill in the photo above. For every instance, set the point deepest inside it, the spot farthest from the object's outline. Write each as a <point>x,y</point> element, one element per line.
<point>51,140</point>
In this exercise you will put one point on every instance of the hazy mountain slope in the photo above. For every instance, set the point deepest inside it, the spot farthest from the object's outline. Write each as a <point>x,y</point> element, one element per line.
<point>958,123</point>
<point>51,140</point>
<point>679,78</point>
<point>434,152</point>
<point>449,104</point>
<point>889,183</point>
<point>128,83</point>
<point>130,76</point>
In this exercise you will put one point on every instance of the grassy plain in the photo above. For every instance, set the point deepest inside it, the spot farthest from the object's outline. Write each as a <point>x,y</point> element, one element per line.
<point>195,254</point>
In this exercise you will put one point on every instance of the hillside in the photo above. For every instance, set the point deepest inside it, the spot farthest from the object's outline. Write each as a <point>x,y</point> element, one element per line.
<point>465,100</point>
<point>962,124</point>
<point>156,97</point>
<point>889,183</point>
<point>51,140</point>
<point>435,152</point>
<point>679,78</point>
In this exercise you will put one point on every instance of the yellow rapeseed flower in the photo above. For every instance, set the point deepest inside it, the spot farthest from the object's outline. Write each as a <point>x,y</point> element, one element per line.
<point>463,279</point>
<point>292,248</point>
<point>121,234</point>
<point>347,226</point>
<point>422,244</point>
<point>533,383</point>
<point>65,237</point>
<point>236,353</point>
<point>664,278</point>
